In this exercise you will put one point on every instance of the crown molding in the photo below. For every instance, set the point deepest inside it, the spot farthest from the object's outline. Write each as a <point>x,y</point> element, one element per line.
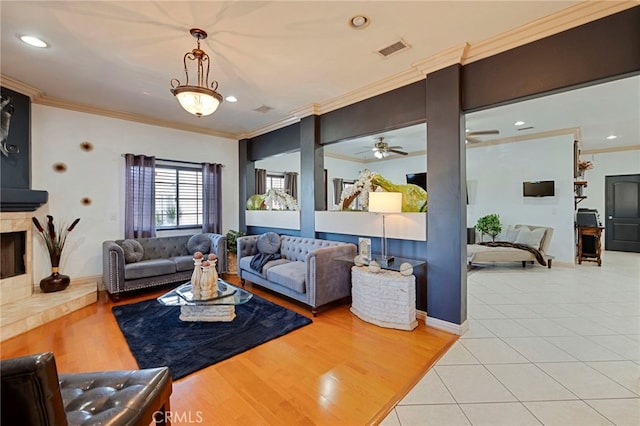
<point>382,86</point>
<point>451,56</point>
<point>574,131</point>
<point>20,87</point>
<point>287,121</point>
<point>611,149</point>
<point>563,20</point>
<point>128,116</point>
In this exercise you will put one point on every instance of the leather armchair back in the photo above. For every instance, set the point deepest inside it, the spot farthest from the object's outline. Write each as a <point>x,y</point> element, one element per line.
<point>31,392</point>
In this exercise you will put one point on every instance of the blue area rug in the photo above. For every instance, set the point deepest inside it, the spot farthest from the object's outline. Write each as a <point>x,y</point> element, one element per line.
<point>157,337</point>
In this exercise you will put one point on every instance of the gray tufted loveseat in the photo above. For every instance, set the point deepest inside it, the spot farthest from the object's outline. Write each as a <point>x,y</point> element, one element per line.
<point>309,270</point>
<point>164,260</point>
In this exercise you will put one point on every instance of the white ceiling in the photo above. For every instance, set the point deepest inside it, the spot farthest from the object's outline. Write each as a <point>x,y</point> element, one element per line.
<point>121,55</point>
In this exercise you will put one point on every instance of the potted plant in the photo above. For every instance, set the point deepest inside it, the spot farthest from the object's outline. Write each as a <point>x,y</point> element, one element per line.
<point>489,224</point>
<point>232,249</point>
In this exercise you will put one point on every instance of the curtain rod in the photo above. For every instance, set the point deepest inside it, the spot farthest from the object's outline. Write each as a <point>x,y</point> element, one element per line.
<point>175,161</point>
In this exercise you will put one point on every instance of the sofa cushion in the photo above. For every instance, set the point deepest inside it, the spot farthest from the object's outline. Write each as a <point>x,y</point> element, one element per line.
<point>133,251</point>
<point>149,268</point>
<point>183,263</point>
<point>245,264</point>
<point>290,275</point>
<point>199,242</point>
<point>530,237</point>
<point>269,243</point>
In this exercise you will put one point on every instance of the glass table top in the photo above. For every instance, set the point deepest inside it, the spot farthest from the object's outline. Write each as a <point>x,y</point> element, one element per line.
<point>227,295</point>
<point>391,266</point>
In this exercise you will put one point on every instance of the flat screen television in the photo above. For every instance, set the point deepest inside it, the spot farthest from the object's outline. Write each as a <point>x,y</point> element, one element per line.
<point>419,179</point>
<point>543,188</point>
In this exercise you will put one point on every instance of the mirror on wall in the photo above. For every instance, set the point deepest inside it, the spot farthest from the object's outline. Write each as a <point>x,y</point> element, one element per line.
<point>393,154</point>
<point>281,172</point>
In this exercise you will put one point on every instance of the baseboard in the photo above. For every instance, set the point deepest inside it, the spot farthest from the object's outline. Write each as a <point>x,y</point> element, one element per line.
<point>447,326</point>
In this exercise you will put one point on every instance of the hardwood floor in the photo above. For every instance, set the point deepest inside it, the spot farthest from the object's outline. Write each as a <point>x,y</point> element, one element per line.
<point>337,371</point>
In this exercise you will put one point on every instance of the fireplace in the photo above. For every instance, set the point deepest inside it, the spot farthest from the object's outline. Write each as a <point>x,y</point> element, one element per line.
<point>12,254</point>
<point>16,281</point>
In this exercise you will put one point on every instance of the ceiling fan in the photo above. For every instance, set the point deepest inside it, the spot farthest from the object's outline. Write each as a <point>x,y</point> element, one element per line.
<point>471,137</point>
<point>381,149</point>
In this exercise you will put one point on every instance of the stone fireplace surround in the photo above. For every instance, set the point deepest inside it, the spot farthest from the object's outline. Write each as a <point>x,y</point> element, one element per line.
<point>23,306</point>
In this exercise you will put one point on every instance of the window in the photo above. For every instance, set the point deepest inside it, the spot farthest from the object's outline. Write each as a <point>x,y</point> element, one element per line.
<point>275,181</point>
<point>178,197</point>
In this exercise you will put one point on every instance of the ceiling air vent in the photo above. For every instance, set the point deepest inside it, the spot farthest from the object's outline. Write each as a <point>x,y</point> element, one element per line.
<point>393,48</point>
<point>263,109</point>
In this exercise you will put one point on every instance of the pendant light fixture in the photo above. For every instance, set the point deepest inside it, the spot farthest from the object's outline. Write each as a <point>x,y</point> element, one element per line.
<point>199,100</point>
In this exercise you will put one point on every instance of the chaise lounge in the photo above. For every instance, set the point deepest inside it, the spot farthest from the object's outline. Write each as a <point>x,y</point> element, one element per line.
<point>516,244</point>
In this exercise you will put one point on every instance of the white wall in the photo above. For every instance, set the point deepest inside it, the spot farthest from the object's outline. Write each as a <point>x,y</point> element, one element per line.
<point>56,135</point>
<point>606,164</point>
<point>494,178</point>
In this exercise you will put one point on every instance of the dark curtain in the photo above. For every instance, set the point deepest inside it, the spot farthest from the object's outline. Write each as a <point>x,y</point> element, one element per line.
<point>140,196</point>
<point>291,184</point>
<point>337,190</point>
<point>261,181</point>
<point>212,198</point>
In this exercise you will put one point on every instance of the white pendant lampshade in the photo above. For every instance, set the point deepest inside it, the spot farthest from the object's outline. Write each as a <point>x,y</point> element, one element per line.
<point>196,102</point>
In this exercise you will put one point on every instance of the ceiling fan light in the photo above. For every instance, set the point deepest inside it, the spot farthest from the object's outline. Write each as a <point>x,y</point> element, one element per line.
<point>378,154</point>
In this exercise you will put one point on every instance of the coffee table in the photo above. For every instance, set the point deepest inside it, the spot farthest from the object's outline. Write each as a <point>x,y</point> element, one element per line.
<point>222,307</point>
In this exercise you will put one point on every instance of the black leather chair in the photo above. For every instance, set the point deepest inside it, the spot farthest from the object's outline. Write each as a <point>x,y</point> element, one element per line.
<point>33,394</point>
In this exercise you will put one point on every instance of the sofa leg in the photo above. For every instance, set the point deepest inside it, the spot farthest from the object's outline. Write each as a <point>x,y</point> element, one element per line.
<point>314,311</point>
<point>162,416</point>
<point>115,297</point>
<point>242,281</point>
<point>524,263</point>
<point>549,263</point>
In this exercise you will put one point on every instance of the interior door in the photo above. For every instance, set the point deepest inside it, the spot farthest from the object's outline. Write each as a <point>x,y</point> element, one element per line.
<point>622,213</point>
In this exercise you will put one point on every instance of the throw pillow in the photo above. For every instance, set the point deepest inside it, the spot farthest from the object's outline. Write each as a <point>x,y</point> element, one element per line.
<point>269,243</point>
<point>509,234</point>
<point>530,237</point>
<point>199,242</point>
<point>133,251</point>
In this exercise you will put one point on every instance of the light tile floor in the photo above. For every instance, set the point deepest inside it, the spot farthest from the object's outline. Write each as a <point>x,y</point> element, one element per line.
<point>551,347</point>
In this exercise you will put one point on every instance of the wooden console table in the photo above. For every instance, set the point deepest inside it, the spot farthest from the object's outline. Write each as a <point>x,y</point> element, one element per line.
<point>590,254</point>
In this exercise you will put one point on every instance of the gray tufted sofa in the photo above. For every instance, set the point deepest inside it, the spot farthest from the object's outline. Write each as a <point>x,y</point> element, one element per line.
<point>308,270</point>
<point>33,394</point>
<point>165,260</point>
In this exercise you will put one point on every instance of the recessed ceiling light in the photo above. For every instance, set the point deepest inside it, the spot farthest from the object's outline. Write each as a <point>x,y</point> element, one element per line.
<point>33,41</point>
<point>518,123</point>
<point>610,137</point>
<point>231,98</point>
<point>359,22</point>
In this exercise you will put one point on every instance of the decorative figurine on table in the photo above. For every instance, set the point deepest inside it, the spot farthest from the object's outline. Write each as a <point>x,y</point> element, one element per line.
<point>197,274</point>
<point>206,289</point>
<point>213,261</point>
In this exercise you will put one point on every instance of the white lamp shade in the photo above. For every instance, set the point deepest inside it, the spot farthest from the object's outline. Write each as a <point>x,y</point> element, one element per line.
<point>385,202</point>
<point>198,103</point>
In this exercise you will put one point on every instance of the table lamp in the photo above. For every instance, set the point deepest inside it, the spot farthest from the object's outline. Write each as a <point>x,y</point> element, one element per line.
<point>385,202</point>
